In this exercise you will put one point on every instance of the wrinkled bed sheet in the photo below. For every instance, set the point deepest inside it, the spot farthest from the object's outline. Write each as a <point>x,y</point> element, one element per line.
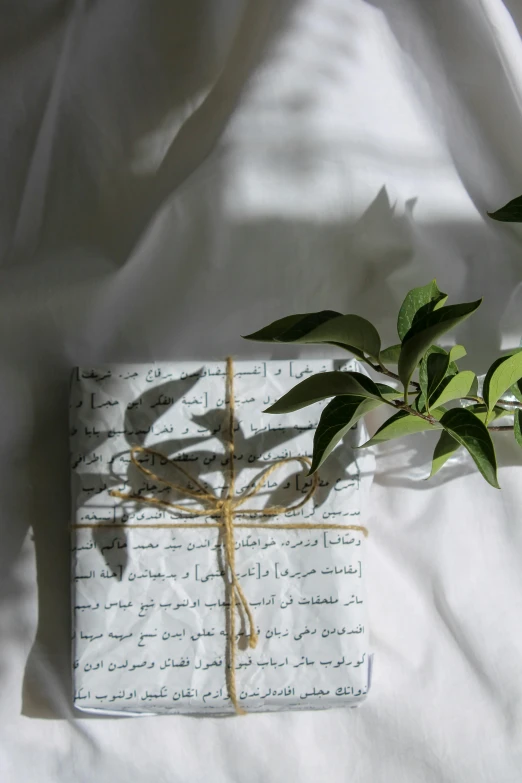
<point>176,174</point>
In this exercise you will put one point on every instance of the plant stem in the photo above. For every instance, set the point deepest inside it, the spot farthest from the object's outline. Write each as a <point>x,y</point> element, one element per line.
<point>404,407</point>
<point>510,404</point>
<point>384,371</point>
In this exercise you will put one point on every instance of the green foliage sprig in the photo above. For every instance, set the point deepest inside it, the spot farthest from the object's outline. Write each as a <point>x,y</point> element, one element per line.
<point>510,212</point>
<point>428,374</point>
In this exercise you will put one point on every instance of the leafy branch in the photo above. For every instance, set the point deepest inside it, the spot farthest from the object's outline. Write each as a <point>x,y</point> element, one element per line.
<point>427,374</point>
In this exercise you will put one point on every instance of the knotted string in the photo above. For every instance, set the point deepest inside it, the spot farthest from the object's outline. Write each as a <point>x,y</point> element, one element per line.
<point>226,508</point>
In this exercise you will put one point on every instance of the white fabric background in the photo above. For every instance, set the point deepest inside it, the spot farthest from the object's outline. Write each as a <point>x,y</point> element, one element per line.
<point>175,174</point>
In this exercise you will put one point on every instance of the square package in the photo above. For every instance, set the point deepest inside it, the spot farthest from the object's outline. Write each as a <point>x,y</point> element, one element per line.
<point>150,565</point>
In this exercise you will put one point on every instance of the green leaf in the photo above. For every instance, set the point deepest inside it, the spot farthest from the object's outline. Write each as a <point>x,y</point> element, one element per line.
<point>423,373</point>
<point>516,390</point>
<point>325,384</point>
<point>482,413</point>
<point>518,426</point>
<point>457,352</point>
<point>471,433</point>
<point>391,354</point>
<point>426,331</point>
<point>419,403</point>
<point>399,425</point>
<point>388,392</point>
<point>436,367</point>
<point>510,212</point>
<point>432,370</point>
<point>418,303</point>
<point>445,448</point>
<point>346,330</point>
<point>502,374</point>
<point>337,418</point>
<point>294,324</point>
<point>350,348</point>
<point>453,388</point>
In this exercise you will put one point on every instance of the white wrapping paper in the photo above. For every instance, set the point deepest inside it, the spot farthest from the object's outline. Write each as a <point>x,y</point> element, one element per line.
<point>149,624</point>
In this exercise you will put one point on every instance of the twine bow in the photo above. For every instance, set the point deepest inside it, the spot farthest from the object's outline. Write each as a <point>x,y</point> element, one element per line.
<point>226,509</point>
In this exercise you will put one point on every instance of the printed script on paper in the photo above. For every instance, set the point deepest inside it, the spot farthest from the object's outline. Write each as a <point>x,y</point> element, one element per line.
<point>149,624</point>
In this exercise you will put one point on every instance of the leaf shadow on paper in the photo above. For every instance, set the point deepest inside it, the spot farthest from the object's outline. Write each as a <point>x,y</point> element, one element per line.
<point>259,449</point>
<point>264,446</point>
<point>250,448</point>
<point>140,415</point>
<point>145,413</point>
<point>254,449</point>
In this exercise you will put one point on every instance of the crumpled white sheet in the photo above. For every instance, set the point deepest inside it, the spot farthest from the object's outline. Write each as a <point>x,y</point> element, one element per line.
<point>177,174</point>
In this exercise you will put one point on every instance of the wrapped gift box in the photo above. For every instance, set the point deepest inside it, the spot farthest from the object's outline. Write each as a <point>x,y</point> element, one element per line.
<point>149,603</point>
